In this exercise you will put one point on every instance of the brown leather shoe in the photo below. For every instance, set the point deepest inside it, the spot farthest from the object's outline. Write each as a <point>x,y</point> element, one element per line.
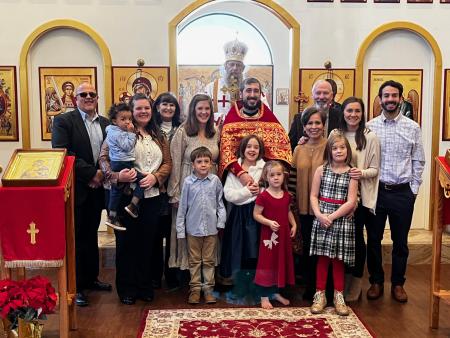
<point>399,294</point>
<point>375,291</point>
<point>209,298</point>
<point>194,297</point>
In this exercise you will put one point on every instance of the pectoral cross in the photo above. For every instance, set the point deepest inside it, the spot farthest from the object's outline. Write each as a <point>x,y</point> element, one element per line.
<point>33,231</point>
<point>233,89</point>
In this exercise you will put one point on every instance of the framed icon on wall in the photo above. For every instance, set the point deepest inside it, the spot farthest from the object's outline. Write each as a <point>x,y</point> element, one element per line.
<point>9,126</point>
<point>57,87</point>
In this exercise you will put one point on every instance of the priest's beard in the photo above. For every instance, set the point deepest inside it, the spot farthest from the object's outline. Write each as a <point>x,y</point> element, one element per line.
<point>249,107</point>
<point>231,78</point>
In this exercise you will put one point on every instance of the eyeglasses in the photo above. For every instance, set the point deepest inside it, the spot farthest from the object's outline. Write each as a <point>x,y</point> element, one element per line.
<point>85,95</point>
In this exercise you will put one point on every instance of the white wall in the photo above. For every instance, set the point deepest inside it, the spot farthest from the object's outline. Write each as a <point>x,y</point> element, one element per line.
<point>139,28</point>
<point>62,48</point>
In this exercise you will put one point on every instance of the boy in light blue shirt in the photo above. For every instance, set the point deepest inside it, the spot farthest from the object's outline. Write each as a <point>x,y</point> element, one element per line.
<point>121,139</point>
<point>200,214</point>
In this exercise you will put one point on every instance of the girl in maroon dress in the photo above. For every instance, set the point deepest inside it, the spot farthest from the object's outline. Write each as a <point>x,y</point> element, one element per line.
<point>275,266</point>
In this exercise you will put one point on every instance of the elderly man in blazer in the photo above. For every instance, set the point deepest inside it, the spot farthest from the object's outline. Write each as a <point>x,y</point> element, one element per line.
<point>82,132</point>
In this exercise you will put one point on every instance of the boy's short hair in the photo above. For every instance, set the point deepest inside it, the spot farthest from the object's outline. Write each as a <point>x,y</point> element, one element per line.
<point>200,152</point>
<point>116,109</point>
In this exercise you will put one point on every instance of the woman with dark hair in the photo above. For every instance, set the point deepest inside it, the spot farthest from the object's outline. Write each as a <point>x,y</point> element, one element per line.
<point>134,247</point>
<point>306,159</point>
<point>167,116</point>
<point>365,168</point>
<point>198,130</point>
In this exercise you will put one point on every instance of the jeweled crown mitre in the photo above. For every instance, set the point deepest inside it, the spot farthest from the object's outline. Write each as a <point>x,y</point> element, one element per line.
<point>235,50</point>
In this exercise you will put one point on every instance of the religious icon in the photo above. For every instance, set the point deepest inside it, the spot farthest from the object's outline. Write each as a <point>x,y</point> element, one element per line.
<point>8,104</point>
<point>282,96</point>
<point>411,101</point>
<point>150,81</point>
<point>34,167</point>
<point>57,91</point>
<point>344,78</point>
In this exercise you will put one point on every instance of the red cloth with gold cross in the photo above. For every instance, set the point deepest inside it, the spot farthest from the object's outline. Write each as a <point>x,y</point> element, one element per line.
<point>32,224</point>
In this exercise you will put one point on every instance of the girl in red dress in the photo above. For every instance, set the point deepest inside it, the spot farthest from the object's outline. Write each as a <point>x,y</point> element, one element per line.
<point>275,266</point>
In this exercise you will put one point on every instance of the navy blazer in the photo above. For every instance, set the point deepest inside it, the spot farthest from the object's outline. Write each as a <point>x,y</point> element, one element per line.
<point>69,131</point>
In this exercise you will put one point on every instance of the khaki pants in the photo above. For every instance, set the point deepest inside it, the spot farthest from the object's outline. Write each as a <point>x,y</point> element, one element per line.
<point>202,255</point>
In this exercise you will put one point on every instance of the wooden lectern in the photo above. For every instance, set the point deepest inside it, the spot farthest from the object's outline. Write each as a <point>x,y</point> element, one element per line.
<point>15,260</point>
<point>442,190</point>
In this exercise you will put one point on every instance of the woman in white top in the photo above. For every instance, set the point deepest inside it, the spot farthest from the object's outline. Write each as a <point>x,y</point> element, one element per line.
<point>134,247</point>
<point>365,167</point>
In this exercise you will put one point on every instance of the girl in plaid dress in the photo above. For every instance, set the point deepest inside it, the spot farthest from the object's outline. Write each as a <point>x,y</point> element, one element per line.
<point>333,198</point>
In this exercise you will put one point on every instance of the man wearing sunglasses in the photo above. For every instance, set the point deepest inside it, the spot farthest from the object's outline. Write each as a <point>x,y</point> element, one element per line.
<point>81,132</point>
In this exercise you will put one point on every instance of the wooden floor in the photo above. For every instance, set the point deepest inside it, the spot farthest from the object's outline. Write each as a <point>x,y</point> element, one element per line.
<point>107,317</point>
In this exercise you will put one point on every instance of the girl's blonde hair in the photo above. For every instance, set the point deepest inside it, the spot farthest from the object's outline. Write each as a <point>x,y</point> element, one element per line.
<point>335,136</point>
<point>267,168</point>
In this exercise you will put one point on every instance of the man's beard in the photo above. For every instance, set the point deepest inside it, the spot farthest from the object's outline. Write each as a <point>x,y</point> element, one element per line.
<point>383,105</point>
<point>250,107</point>
<point>322,105</point>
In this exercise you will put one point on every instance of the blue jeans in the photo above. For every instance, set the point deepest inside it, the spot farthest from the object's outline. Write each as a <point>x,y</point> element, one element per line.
<point>116,192</point>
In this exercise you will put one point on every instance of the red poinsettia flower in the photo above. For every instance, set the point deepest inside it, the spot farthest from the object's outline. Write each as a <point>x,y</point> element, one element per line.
<point>35,293</point>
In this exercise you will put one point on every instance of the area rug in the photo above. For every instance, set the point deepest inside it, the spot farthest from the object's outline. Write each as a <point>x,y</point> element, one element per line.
<point>249,322</point>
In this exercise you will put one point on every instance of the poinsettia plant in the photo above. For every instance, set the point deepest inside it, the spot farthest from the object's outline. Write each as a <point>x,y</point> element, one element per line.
<point>29,299</point>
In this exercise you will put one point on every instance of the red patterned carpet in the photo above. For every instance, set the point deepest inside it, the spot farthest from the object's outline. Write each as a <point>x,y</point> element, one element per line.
<point>249,322</point>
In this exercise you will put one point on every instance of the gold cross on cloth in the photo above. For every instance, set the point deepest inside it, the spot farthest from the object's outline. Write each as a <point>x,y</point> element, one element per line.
<point>33,231</point>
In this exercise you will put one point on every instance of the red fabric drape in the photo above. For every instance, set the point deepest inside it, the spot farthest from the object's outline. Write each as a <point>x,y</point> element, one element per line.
<point>21,207</point>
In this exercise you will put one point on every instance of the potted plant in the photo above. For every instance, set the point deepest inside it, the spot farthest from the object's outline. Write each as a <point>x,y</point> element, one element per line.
<point>22,303</point>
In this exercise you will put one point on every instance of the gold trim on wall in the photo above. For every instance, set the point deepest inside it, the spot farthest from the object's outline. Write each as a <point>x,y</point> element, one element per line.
<point>288,20</point>
<point>435,126</point>
<point>23,68</point>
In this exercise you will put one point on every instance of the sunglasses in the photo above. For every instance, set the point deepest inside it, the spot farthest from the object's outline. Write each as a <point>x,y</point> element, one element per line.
<point>85,95</point>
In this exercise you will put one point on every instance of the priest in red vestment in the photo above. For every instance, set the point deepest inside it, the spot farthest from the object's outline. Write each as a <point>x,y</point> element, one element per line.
<point>246,117</point>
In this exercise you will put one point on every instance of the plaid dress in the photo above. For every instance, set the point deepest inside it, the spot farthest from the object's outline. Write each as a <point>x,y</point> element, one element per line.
<point>337,241</point>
